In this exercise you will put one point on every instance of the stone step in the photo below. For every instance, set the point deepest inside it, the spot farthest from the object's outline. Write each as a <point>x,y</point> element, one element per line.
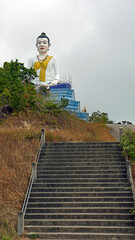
<point>77,161</point>
<point>80,164</point>
<point>85,204</point>
<point>81,145</point>
<point>100,175</point>
<point>84,236</point>
<point>81,229</point>
<point>115,144</point>
<point>82,148</point>
<point>85,190</point>
<point>89,171</point>
<point>37,186</point>
<point>81,180</point>
<point>80,156</point>
<point>85,222</point>
<point>81,199</point>
<point>78,194</point>
<point>79,168</point>
<point>79,216</point>
<point>73,210</point>
<point>78,152</point>
<point>81,152</point>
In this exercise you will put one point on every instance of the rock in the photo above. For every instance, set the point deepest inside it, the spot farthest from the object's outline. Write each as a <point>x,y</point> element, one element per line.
<point>5,111</point>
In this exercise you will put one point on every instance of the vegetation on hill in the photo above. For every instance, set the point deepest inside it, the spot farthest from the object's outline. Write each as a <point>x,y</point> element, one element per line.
<point>128,144</point>
<point>100,117</point>
<point>17,90</point>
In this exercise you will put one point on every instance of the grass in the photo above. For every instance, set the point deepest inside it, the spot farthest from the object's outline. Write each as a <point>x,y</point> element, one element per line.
<point>19,140</point>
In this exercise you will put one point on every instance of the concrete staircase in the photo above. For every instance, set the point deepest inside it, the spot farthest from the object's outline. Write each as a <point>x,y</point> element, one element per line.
<point>81,192</point>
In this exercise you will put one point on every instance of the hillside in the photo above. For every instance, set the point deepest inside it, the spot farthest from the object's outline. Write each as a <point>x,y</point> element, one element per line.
<point>19,140</point>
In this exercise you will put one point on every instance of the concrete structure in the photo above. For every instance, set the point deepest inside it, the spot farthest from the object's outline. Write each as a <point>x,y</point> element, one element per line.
<point>115,129</point>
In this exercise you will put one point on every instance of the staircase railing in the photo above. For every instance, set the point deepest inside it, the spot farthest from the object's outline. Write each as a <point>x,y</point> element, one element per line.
<point>130,176</point>
<point>33,176</point>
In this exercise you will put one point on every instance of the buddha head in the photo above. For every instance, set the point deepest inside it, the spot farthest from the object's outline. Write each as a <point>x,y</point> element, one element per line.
<point>43,43</point>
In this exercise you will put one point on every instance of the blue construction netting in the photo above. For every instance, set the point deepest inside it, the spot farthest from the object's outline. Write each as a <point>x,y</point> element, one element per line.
<point>61,85</point>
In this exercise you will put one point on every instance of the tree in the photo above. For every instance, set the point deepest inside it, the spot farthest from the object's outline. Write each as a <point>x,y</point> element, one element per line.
<point>125,123</point>
<point>17,90</point>
<point>99,117</point>
<point>15,86</point>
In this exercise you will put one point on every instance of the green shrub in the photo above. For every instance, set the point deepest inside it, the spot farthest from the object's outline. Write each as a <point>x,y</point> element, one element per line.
<point>17,90</point>
<point>7,231</point>
<point>100,117</point>
<point>15,87</point>
<point>127,142</point>
<point>5,237</point>
<point>33,236</point>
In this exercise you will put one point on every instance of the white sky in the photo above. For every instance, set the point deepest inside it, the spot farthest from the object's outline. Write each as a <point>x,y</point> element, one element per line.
<point>93,40</point>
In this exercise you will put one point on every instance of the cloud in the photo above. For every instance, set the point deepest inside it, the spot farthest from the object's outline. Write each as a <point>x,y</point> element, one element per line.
<point>92,39</point>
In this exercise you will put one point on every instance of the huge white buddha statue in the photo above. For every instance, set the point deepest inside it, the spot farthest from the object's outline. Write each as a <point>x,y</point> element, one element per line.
<point>44,65</point>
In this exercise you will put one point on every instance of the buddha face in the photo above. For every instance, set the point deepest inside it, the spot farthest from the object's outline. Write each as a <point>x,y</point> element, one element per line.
<point>42,45</point>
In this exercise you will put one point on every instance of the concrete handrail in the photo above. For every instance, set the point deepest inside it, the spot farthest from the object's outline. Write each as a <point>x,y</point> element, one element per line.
<point>121,130</point>
<point>33,176</point>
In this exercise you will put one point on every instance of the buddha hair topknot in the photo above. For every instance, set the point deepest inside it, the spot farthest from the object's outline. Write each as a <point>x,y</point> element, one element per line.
<point>43,35</point>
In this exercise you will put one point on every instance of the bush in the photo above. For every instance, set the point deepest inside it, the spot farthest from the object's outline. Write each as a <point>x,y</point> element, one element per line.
<point>99,117</point>
<point>128,144</point>
<point>15,86</point>
<point>17,90</point>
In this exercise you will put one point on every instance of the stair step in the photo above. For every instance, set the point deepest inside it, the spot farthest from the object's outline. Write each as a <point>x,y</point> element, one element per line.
<point>93,190</point>
<point>80,164</point>
<point>82,144</point>
<point>84,236</point>
<point>78,168</point>
<point>37,186</point>
<point>80,194</point>
<point>80,172</point>
<point>71,222</point>
<point>129,204</point>
<point>81,154</point>
<point>83,157</point>
<point>81,180</point>
<point>78,216</point>
<point>34,209</point>
<point>58,175</point>
<point>82,161</point>
<point>80,199</point>
<point>81,229</point>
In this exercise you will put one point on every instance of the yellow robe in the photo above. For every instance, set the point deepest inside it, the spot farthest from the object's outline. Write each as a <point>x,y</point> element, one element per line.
<point>42,65</point>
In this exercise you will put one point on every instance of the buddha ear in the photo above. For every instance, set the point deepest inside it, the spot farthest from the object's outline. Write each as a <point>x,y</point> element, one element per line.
<point>49,45</point>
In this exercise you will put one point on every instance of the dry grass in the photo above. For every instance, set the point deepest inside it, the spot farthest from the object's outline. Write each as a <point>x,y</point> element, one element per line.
<point>19,139</point>
<point>17,150</point>
<point>62,128</point>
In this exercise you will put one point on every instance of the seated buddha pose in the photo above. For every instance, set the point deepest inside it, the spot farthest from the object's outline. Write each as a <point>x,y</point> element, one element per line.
<point>44,65</point>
